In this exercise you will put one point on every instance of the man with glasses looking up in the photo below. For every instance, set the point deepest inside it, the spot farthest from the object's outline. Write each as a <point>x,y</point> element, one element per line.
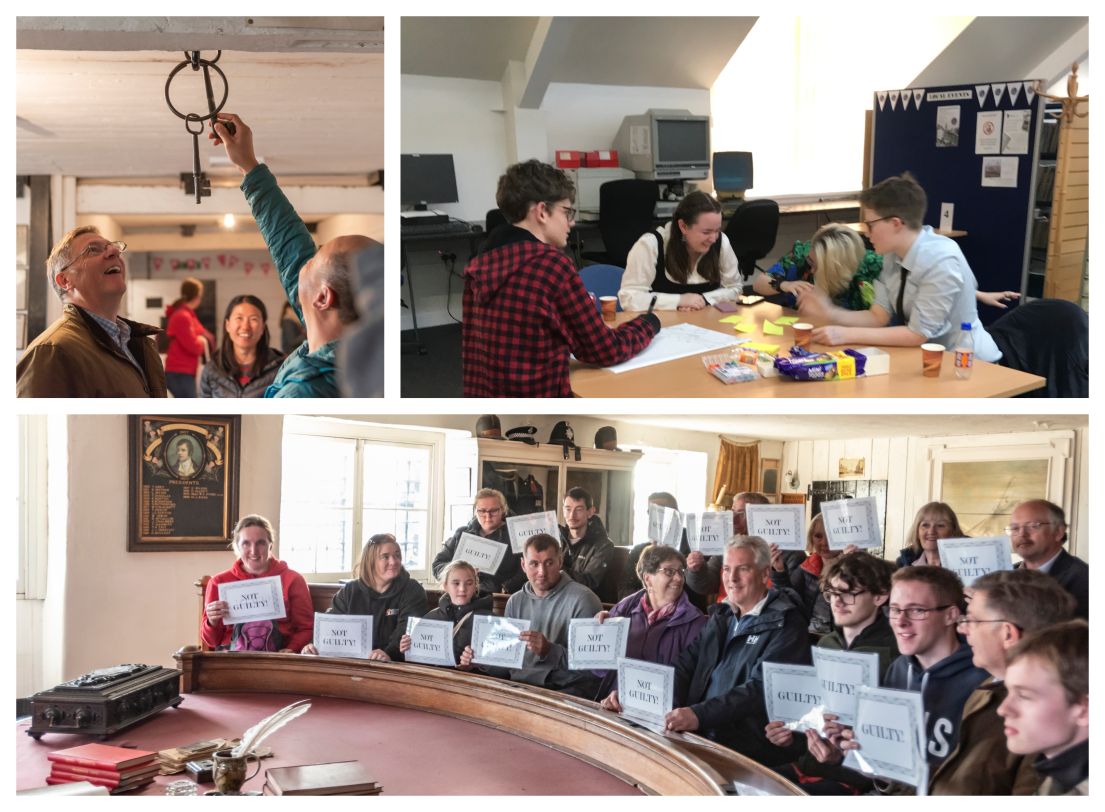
<point>1037,530</point>
<point>90,351</point>
<point>489,521</point>
<point>525,307</point>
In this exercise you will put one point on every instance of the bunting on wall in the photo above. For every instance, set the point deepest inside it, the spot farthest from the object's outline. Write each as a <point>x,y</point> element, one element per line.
<point>1029,92</point>
<point>981,91</point>
<point>918,95</point>
<point>882,99</point>
<point>1014,92</point>
<point>893,99</point>
<point>207,262</point>
<point>999,91</point>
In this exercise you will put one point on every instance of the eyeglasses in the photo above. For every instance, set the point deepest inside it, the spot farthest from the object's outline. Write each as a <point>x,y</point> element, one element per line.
<point>868,223</point>
<point>915,612</point>
<point>95,249</point>
<point>569,212</point>
<point>1027,527</point>
<point>489,512</point>
<point>847,598</point>
<point>671,573</point>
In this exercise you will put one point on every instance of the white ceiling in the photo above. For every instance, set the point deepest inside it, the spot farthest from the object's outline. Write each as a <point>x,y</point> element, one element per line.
<point>93,105</point>
<point>686,52</point>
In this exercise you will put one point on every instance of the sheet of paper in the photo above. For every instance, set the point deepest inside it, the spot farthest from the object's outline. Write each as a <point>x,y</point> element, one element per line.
<point>343,635</point>
<point>645,690</point>
<point>1000,172</point>
<point>778,524</point>
<point>665,525</point>
<point>431,642</point>
<point>677,341</point>
<point>483,554</point>
<point>841,674</point>
<point>1014,133</point>
<point>495,640</point>
<point>786,320</point>
<point>790,691</point>
<point>890,728</point>
<point>772,329</point>
<point>709,531</point>
<point>594,645</point>
<point>852,521</point>
<point>745,327</point>
<point>521,528</point>
<point>947,126</point>
<point>255,599</point>
<point>988,133</point>
<point>974,557</point>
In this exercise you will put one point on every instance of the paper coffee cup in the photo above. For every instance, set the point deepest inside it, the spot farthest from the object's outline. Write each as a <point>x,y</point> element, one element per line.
<point>932,356</point>
<point>802,333</point>
<point>609,307</point>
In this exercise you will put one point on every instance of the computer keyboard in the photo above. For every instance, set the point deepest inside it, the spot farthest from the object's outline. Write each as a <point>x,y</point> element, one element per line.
<point>444,229</point>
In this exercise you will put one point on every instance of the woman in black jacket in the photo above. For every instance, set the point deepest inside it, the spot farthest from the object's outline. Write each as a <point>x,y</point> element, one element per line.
<point>245,364</point>
<point>460,603</point>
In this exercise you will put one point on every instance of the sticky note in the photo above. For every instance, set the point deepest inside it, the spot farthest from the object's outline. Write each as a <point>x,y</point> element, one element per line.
<point>744,327</point>
<point>786,320</point>
<point>772,329</point>
<point>770,349</point>
<point>734,319</point>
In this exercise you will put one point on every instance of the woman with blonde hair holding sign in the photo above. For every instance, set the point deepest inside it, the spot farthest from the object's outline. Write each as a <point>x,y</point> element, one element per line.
<point>385,590</point>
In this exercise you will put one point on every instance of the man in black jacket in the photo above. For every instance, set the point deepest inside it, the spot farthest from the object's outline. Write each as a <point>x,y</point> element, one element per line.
<point>587,549</point>
<point>1038,529</point>
<point>489,522</point>
<point>719,677</point>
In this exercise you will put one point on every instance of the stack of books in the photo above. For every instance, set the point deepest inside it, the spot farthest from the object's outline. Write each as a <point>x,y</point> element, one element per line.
<point>335,778</point>
<point>173,759</point>
<point>118,769</point>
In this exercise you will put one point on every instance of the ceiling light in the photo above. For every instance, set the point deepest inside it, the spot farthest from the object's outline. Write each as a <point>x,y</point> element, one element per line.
<point>228,220</point>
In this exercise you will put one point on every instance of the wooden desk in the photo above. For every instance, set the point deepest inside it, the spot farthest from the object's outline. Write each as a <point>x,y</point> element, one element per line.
<point>490,723</point>
<point>687,377</point>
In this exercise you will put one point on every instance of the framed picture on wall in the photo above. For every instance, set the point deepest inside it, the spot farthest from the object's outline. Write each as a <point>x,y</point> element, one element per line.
<point>770,484</point>
<point>184,481</point>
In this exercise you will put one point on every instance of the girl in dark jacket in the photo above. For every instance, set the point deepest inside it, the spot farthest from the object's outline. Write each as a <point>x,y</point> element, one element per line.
<point>461,601</point>
<point>245,364</point>
<point>384,590</point>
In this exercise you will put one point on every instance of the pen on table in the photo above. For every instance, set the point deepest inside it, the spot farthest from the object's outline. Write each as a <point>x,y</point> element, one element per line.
<point>652,304</point>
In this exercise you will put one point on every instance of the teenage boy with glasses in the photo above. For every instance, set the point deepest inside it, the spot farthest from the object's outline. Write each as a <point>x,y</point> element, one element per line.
<point>90,351</point>
<point>489,521</point>
<point>525,307</point>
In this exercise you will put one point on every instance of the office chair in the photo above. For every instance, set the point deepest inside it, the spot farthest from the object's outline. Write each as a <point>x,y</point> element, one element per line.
<point>492,220</point>
<point>625,213</point>
<point>752,231</point>
<point>602,280</point>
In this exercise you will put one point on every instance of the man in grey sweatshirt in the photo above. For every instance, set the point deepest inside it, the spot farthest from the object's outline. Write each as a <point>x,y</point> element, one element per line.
<point>550,600</point>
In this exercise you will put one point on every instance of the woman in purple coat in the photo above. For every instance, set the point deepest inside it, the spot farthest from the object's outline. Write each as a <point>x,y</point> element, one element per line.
<point>662,620</point>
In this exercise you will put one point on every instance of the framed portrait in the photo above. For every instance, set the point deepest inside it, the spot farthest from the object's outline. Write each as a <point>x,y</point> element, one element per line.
<point>769,479</point>
<point>184,479</point>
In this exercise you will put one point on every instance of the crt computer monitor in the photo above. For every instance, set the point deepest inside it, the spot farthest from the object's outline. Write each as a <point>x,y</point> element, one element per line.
<point>732,172</point>
<point>682,142</point>
<point>427,179</point>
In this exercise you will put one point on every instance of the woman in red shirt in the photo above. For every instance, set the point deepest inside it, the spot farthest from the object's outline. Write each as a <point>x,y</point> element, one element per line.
<point>188,340</point>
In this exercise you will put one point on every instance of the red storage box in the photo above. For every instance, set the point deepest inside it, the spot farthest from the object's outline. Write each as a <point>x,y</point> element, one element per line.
<point>569,158</point>
<point>601,157</point>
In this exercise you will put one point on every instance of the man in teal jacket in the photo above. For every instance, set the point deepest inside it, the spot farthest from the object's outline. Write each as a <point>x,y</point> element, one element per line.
<point>317,281</point>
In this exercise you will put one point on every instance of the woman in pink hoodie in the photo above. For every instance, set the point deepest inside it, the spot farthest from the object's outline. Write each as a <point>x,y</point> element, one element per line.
<point>188,340</point>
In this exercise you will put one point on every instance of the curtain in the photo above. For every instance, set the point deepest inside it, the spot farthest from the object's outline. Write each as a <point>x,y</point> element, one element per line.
<point>738,470</point>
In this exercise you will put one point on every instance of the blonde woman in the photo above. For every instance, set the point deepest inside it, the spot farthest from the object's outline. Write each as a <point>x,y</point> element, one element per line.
<point>461,602</point>
<point>383,589</point>
<point>933,522</point>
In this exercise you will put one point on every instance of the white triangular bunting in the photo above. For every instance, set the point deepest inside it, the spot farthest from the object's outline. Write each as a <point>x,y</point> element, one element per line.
<point>1014,92</point>
<point>999,91</point>
<point>1030,92</point>
<point>882,99</point>
<point>905,99</point>
<point>981,91</point>
<point>918,94</point>
<point>893,99</point>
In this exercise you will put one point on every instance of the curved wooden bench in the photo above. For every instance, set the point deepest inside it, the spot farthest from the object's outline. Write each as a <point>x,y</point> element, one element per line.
<point>659,765</point>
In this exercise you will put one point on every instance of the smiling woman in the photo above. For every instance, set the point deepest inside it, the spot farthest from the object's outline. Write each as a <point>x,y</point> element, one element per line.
<point>245,364</point>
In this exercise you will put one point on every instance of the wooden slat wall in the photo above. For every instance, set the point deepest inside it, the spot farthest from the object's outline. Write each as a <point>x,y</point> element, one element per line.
<point>1070,212</point>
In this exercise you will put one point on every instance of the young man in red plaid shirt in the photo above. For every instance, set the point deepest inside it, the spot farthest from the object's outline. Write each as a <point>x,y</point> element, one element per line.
<point>525,306</point>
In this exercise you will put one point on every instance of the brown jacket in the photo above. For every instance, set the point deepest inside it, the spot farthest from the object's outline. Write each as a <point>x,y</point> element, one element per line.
<point>74,358</point>
<point>981,764</point>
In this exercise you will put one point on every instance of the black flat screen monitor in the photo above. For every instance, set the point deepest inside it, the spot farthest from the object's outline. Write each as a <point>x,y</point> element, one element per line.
<point>427,179</point>
<point>732,172</point>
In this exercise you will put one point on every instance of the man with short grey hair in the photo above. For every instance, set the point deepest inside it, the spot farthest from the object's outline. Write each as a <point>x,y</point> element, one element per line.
<point>1038,529</point>
<point>719,677</point>
<point>90,351</point>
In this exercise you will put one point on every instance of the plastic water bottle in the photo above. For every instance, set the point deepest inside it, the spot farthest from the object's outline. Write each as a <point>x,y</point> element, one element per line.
<point>964,352</point>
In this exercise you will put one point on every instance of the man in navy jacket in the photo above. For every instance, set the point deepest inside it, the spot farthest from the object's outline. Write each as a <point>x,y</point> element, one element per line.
<point>719,677</point>
<point>1038,529</point>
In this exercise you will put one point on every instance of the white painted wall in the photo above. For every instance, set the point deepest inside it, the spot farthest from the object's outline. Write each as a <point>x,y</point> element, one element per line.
<point>907,463</point>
